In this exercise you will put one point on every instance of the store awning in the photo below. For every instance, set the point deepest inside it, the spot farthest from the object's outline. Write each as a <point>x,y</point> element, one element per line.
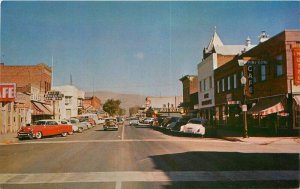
<point>40,109</point>
<point>297,99</point>
<point>267,106</point>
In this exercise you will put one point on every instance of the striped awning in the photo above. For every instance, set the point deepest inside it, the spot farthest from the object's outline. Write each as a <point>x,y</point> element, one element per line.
<point>267,106</point>
<point>40,109</point>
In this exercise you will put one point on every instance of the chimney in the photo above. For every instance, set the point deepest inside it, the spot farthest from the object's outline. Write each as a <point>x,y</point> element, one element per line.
<point>263,37</point>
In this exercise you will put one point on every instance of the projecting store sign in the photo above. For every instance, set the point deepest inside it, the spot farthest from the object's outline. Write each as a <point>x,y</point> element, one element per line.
<point>7,92</point>
<point>53,95</point>
<point>296,61</point>
<point>250,79</point>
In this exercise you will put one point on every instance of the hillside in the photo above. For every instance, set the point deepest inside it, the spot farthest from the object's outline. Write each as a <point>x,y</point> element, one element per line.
<point>127,100</point>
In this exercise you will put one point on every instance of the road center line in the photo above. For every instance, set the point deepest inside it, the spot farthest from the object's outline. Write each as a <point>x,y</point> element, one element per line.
<point>155,176</point>
<point>123,132</point>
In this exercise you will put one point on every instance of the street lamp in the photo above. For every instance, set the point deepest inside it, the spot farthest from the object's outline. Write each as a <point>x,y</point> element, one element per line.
<point>244,107</point>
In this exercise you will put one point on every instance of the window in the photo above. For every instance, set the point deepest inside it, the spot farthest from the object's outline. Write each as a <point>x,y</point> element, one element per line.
<point>200,86</point>
<point>228,83</point>
<point>234,81</point>
<point>204,84</point>
<point>68,100</point>
<point>210,82</point>
<point>223,84</point>
<point>218,86</point>
<point>263,72</point>
<point>279,70</point>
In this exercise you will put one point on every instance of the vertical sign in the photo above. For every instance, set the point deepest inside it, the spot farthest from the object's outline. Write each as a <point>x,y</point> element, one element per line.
<point>250,79</point>
<point>7,92</point>
<point>296,61</point>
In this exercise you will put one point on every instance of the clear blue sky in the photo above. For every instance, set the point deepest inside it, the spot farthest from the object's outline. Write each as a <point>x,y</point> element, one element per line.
<point>133,47</point>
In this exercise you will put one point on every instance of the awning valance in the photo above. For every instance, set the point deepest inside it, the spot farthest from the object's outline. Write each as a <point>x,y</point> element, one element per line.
<point>267,106</point>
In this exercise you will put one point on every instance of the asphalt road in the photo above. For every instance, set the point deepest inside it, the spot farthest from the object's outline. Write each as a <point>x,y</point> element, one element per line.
<point>144,158</point>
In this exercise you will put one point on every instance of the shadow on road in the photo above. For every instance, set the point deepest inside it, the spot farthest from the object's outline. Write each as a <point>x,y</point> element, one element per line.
<point>228,161</point>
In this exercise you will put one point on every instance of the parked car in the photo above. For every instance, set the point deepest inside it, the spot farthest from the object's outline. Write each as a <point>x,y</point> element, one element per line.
<point>88,121</point>
<point>179,123</point>
<point>134,121</point>
<point>149,120</point>
<point>101,121</point>
<point>80,125</point>
<point>168,120</point>
<point>111,124</point>
<point>67,122</point>
<point>195,126</point>
<point>44,128</point>
<point>172,122</point>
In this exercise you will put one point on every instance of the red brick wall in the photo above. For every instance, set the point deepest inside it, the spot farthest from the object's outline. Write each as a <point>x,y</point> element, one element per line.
<point>38,76</point>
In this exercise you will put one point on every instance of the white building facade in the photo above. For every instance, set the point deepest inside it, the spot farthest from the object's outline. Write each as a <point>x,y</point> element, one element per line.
<point>215,55</point>
<point>70,104</point>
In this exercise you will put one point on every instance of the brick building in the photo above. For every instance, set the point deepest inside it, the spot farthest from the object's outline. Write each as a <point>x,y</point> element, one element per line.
<point>32,82</point>
<point>272,97</point>
<point>190,93</point>
<point>91,104</point>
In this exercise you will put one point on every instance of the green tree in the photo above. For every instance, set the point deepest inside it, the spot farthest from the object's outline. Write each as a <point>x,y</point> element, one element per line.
<point>121,112</point>
<point>112,107</point>
<point>133,110</point>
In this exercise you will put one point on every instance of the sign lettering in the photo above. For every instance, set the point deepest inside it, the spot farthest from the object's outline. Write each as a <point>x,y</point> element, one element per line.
<point>250,79</point>
<point>296,62</point>
<point>7,92</point>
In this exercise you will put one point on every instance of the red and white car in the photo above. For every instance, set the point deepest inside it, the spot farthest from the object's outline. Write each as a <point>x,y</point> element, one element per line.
<point>44,128</point>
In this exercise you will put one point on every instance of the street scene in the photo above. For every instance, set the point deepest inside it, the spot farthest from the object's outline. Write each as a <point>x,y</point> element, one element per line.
<point>134,95</point>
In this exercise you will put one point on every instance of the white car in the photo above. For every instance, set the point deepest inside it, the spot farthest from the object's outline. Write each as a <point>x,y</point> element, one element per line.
<point>100,121</point>
<point>194,126</point>
<point>149,120</point>
<point>134,121</point>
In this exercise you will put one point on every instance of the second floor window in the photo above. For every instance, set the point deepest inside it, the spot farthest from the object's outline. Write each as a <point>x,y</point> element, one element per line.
<point>223,84</point>
<point>234,81</point>
<point>263,72</point>
<point>228,83</point>
<point>279,70</point>
<point>68,100</point>
<point>218,86</point>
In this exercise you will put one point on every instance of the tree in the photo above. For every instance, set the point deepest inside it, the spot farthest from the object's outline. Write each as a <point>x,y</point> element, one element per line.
<point>112,107</point>
<point>121,112</point>
<point>133,110</point>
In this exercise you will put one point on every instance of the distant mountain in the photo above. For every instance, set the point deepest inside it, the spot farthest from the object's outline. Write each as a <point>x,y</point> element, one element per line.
<point>127,100</point>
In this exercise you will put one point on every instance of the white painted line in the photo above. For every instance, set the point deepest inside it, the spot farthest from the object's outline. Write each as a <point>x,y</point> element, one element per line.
<point>140,176</point>
<point>124,140</point>
<point>123,132</point>
<point>118,185</point>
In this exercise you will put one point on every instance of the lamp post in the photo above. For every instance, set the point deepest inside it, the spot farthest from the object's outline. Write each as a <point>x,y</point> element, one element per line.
<point>244,107</point>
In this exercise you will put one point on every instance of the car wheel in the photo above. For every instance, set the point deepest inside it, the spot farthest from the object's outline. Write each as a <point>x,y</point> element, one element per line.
<point>39,135</point>
<point>70,133</point>
<point>64,134</point>
<point>80,130</point>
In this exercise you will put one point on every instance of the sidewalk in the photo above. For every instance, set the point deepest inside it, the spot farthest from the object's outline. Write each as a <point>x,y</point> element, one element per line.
<point>265,140</point>
<point>8,138</point>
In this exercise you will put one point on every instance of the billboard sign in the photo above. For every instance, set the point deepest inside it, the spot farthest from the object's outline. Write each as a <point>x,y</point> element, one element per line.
<point>7,92</point>
<point>296,62</point>
<point>54,95</point>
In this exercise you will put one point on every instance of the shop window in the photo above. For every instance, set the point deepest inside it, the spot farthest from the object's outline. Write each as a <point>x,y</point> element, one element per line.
<point>200,85</point>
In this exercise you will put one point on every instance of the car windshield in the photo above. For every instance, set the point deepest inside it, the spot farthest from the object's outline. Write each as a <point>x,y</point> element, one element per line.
<point>197,121</point>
